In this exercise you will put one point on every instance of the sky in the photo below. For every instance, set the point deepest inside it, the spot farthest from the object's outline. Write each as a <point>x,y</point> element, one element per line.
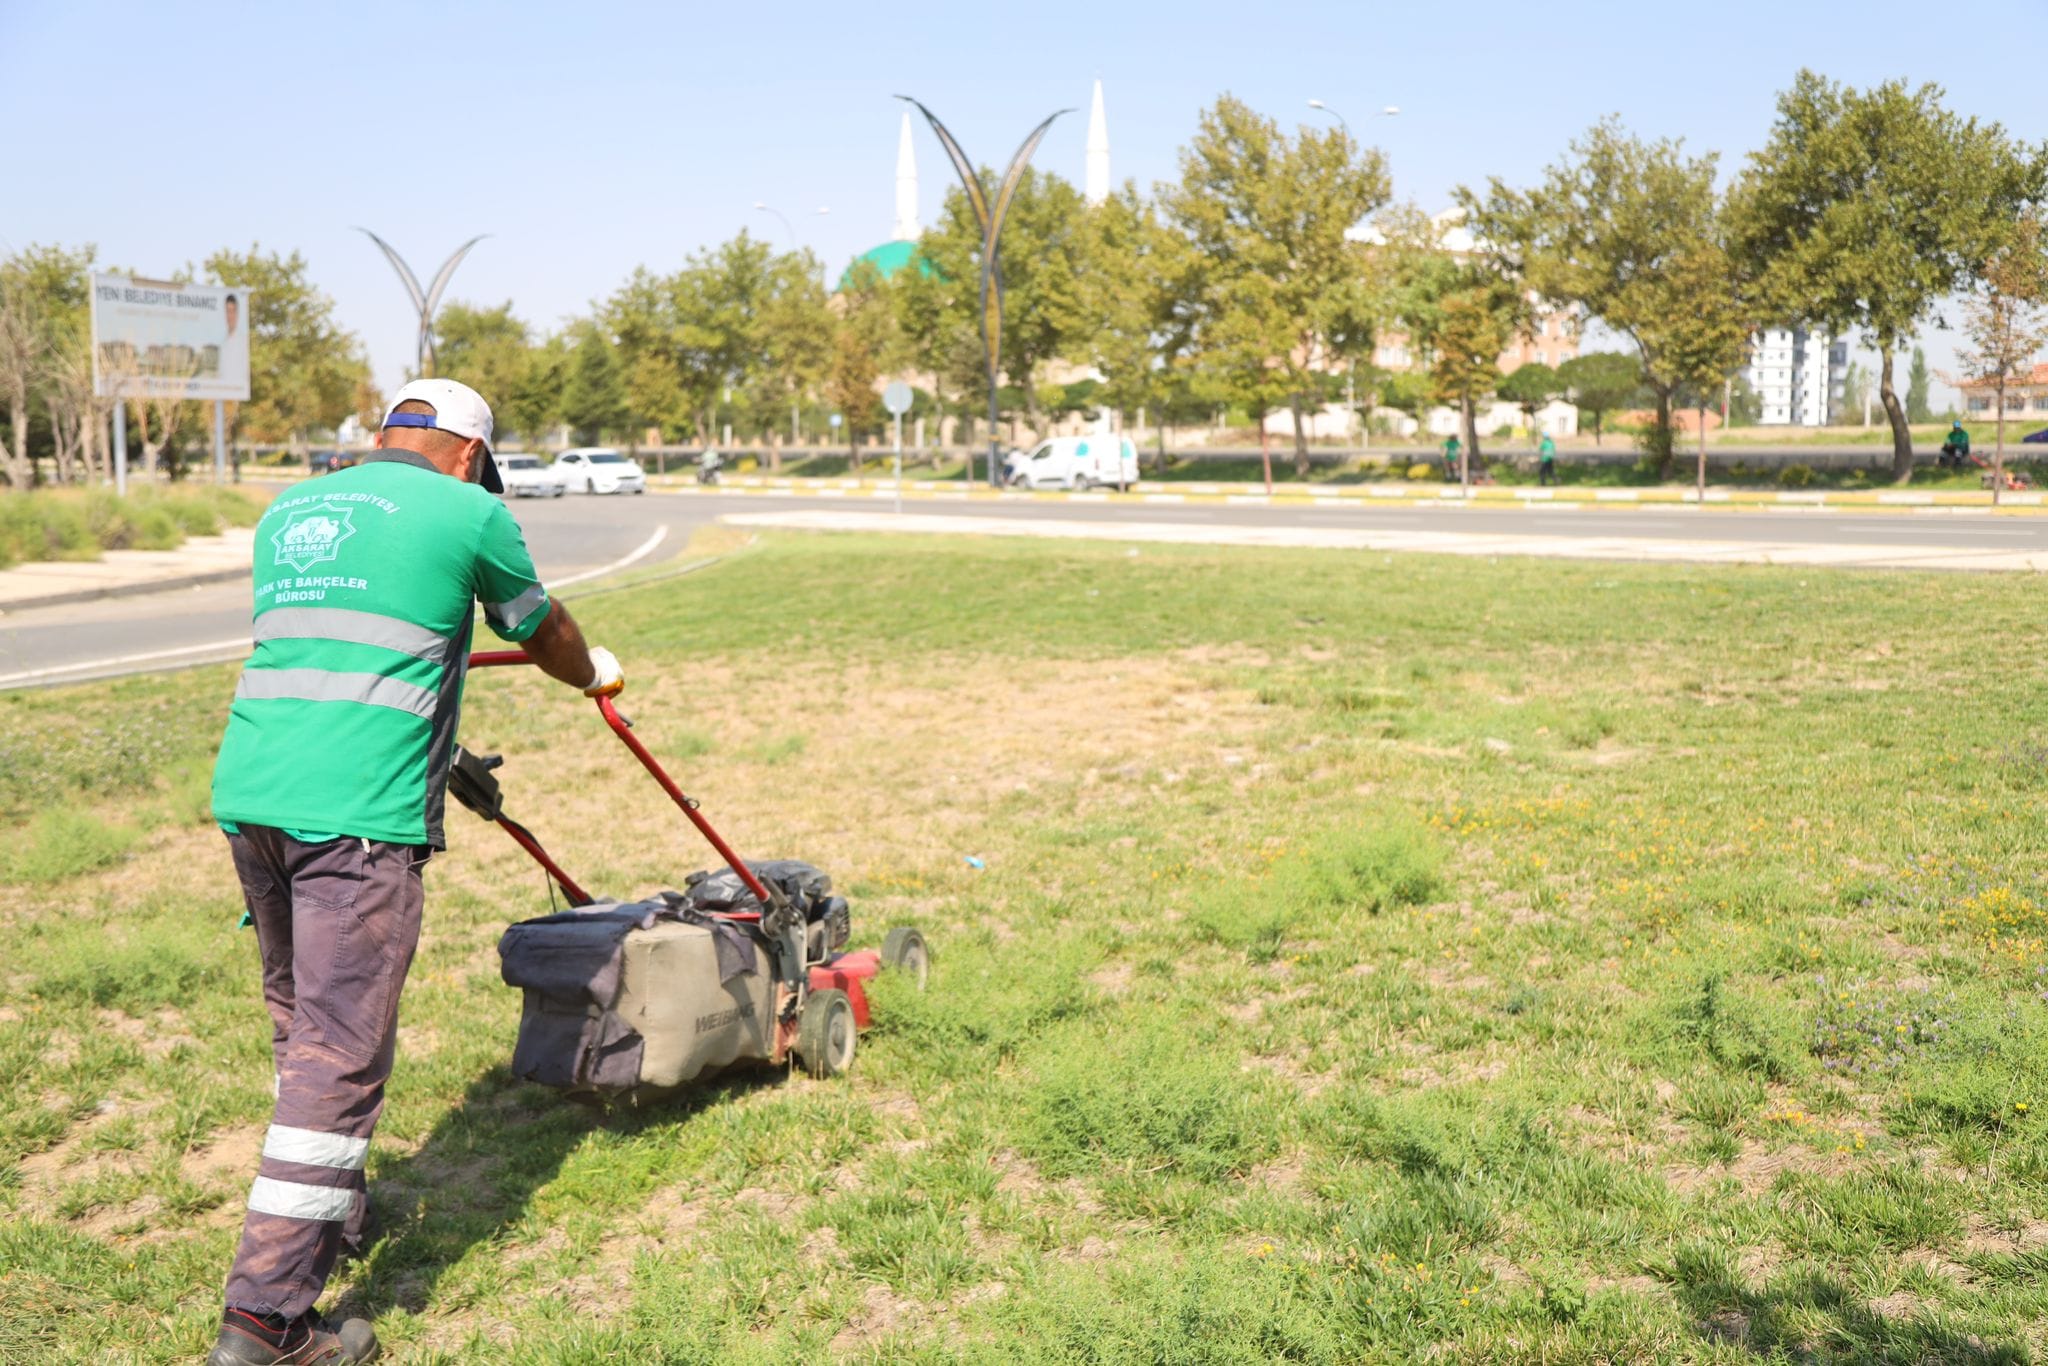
<point>590,139</point>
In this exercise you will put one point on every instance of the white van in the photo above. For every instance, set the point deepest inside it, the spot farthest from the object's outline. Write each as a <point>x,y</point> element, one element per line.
<point>1077,462</point>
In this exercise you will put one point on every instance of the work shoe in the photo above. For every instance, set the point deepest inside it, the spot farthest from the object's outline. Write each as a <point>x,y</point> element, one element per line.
<point>249,1340</point>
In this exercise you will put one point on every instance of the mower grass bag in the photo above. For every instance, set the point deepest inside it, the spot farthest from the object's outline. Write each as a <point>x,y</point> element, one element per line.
<point>630,1000</point>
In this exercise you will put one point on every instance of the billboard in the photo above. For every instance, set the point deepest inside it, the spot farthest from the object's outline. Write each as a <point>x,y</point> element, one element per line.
<point>153,339</point>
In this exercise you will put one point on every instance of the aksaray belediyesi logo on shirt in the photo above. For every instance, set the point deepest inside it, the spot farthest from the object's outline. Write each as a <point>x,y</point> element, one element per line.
<point>312,535</point>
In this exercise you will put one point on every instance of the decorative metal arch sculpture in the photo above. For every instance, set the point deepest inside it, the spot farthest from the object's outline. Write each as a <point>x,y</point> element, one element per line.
<point>989,218</point>
<point>427,301</point>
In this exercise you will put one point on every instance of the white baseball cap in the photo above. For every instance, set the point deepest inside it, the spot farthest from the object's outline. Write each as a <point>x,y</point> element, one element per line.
<point>458,410</point>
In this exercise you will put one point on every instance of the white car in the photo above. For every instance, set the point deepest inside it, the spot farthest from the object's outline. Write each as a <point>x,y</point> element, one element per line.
<point>1078,462</point>
<point>524,476</point>
<point>599,469</point>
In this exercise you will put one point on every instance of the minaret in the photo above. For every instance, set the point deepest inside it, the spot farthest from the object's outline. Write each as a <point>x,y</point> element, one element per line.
<point>1098,150</point>
<point>906,185</point>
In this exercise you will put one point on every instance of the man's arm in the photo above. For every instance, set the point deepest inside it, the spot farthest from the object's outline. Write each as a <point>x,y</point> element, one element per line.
<point>557,645</point>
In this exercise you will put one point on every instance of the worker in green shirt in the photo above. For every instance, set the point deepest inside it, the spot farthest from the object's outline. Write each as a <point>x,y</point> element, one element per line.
<point>1955,451</point>
<point>330,785</point>
<point>1452,447</point>
<point>1546,461</point>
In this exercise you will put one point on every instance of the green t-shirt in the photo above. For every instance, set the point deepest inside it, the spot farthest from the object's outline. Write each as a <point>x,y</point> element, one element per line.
<point>1959,437</point>
<point>1451,447</point>
<point>366,585</point>
<point>1546,448</point>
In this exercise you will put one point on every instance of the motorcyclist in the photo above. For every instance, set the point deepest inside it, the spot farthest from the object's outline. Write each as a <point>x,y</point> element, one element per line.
<point>1955,451</point>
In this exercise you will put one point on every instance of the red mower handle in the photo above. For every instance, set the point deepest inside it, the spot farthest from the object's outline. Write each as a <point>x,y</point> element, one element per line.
<point>621,727</point>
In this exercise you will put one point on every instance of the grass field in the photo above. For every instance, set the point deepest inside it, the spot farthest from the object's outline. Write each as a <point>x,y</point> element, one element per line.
<point>1376,959</point>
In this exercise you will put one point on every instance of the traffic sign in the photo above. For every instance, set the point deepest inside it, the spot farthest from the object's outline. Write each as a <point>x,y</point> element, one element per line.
<point>835,419</point>
<point>898,397</point>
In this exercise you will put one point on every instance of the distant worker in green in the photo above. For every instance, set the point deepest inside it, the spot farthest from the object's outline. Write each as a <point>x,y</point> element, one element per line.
<point>1452,447</point>
<point>1546,461</point>
<point>1955,452</point>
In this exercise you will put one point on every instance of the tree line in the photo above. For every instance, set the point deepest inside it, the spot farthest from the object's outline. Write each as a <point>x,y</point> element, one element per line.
<point>1241,285</point>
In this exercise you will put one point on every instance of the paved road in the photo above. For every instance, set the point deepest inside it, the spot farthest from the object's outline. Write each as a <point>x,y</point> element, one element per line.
<point>574,535</point>
<point>568,536</point>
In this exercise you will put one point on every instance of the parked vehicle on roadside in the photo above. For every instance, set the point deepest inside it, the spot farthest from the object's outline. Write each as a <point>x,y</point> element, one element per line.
<point>599,469</point>
<point>527,476</point>
<point>327,462</point>
<point>1078,462</point>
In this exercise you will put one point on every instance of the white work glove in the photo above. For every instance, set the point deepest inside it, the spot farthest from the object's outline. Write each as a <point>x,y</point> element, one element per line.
<point>606,677</point>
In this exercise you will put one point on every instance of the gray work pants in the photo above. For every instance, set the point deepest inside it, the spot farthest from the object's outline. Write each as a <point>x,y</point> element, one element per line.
<point>336,924</point>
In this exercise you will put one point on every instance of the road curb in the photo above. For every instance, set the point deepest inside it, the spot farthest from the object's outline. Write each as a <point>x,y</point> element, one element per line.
<point>124,590</point>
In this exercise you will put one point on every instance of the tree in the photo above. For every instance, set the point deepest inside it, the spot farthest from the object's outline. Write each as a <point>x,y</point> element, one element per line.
<point>1918,409</point>
<point>1867,207</point>
<point>1599,382</point>
<point>45,344</point>
<point>493,352</point>
<point>594,398</point>
<point>1280,293</point>
<point>1460,312</point>
<point>864,342</point>
<point>1529,387</point>
<point>1605,230</point>
<point>792,342</point>
<point>2005,326</point>
<point>21,360</point>
<point>1472,328</point>
<point>306,371</point>
<point>1745,409</point>
<point>1139,268</point>
<point>1855,391</point>
<point>1705,342</point>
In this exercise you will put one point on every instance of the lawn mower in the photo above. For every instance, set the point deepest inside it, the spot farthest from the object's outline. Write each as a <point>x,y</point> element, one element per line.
<point>634,1000</point>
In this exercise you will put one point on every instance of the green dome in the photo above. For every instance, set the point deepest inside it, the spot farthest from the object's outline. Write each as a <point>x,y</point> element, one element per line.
<point>888,259</point>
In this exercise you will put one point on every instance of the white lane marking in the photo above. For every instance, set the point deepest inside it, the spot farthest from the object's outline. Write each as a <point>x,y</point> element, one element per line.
<point>646,549</point>
<point>241,643</point>
<point>31,675</point>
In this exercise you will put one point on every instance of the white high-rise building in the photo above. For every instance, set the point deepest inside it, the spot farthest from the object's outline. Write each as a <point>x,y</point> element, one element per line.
<point>1798,376</point>
<point>1096,185</point>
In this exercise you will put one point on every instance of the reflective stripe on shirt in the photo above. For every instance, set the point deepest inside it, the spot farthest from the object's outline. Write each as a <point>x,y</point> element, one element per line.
<point>360,628</point>
<point>323,685</point>
<point>508,616</point>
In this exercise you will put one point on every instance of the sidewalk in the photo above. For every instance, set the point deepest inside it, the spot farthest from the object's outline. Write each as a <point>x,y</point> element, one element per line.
<point>118,573</point>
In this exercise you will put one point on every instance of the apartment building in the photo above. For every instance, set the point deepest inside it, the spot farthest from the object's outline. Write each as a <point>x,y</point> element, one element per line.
<point>1798,375</point>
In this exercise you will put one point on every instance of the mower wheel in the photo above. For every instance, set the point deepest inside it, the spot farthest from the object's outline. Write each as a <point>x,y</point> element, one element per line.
<point>904,948</point>
<point>825,1033</point>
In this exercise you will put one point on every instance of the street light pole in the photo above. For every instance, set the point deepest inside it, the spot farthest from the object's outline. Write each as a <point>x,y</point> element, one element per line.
<point>787,226</point>
<point>1351,362</point>
<point>795,429</point>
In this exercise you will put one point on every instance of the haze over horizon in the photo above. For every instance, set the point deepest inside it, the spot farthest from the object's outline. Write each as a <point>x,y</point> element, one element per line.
<point>589,143</point>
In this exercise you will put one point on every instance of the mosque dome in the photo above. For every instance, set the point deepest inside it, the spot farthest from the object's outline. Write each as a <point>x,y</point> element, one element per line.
<point>889,259</point>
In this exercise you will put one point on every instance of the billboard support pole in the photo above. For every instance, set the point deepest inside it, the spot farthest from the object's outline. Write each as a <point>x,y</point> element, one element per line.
<point>121,447</point>
<point>220,442</point>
